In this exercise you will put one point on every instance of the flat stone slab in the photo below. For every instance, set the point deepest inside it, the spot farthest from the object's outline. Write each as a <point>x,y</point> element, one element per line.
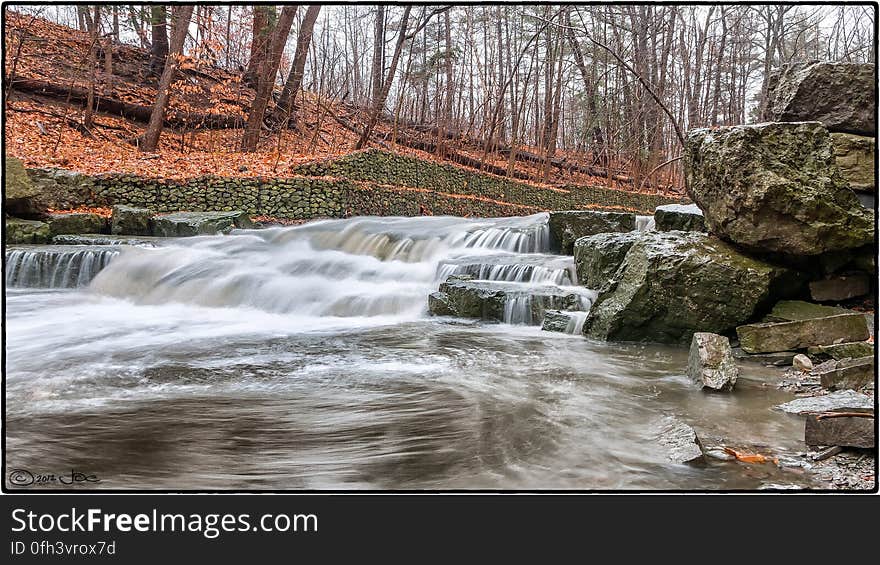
<point>76,222</point>
<point>680,442</point>
<point>849,374</point>
<point>568,226</point>
<point>841,428</point>
<point>799,334</point>
<point>842,287</point>
<point>777,358</point>
<point>683,217</point>
<point>842,399</point>
<point>101,239</point>
<point>791,310</point>
<point>187,224</point>
<point>839,351</point>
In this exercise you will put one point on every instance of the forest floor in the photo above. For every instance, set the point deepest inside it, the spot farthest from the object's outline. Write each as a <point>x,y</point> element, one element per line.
<point>47,80</point>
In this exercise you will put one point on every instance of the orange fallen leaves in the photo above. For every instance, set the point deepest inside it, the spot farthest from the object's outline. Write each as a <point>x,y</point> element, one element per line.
<point>750,457</point>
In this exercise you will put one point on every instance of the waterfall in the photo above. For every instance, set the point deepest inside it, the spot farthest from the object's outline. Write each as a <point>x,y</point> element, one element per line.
<point>63,266</point>
<point>644,223</point>
<point>532,268</point>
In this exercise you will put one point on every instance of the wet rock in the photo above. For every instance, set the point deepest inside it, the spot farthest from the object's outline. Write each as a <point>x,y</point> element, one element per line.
<point>848,374</point>
<point>839,351</point>
<point>800,334</point>
<point>854,155</point>
<point>798,205</point>
<point>505,302</point>
<point>75,223</point>
<point>711,362</point>
<point>791,310</point>
<point>835,428</point>
<point>186,224</point>
<point>22,198</point>
<point>672,284</point>
<point>557,321</point>
<point>802,363</point>
<point>513,267</point>
<point>566,227</point>
<point>776,358</point>
<point>680,442</point>
<point>597,257</point>
<point>103,239</point>
<point>26,231</point>
<point>842,287</point>
<point>720,454</point>
<point>128,220</point>
<point>679,217</point>
<point>840,95</point>
<point>842,399</point>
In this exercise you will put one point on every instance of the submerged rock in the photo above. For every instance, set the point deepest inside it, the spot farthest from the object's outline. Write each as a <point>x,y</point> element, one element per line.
<point>840,95</point>
<point>679,217</point>
<point>26,231</point>
<point>128,220</point>
<point>75,223</point>
<point>800,334</point>
<point>513,303</point>
<point>680,442</point>
<point>854,155</point>
<point>672,284</point>
<point>711,362</point>
<point>566,227</point>
<point>774,189</point>
<point>597,257</point>
<point>833,401</point>
<point>186,224</point>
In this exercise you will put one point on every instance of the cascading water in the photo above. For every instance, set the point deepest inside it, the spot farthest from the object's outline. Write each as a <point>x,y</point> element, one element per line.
<point>644,223</point>
<point>63,266</point>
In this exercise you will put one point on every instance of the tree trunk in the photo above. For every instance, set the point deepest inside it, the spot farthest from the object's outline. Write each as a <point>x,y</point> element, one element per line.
<point>95,22</point>
<point>154,128</point>
<point>266,78</point>
<point>378,53</point>
<point>293,83</point>
<point>159,32</point>
<point>263,25</point>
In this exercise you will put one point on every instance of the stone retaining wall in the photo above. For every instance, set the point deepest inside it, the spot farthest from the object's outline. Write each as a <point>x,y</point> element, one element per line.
<point>365,183</point>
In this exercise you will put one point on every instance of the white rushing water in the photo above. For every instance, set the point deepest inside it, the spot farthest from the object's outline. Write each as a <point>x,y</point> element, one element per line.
<point>62,266</point>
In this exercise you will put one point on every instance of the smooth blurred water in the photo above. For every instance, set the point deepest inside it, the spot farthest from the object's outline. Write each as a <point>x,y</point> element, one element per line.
<point>303,358</point>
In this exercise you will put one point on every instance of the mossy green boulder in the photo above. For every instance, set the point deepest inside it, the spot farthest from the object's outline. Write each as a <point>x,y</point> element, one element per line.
<point>774,188</point>
<point>597,257</point>
<point>854,155</point>
<point>26,231</point>
<point>76,223</point>
<point>23,198</point>
<point>673,284</point>
<point>568,226</point>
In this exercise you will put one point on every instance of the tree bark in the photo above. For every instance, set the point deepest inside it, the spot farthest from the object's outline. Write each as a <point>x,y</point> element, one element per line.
<point>263,25</point>
<point>159,33</point>
<point>286,103</point>
<point>94,23</point>
<point>157,117</point>
<point>378,53</point>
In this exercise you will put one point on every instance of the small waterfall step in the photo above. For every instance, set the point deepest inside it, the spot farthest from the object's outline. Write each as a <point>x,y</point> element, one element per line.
<point>56,266</point>
<point>509,302</point>
<point>102,239</point>
<point>511,267</point>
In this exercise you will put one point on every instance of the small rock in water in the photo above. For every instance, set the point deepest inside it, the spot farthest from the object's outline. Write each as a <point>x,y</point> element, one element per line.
<point>681,442</point>
<point>802,363</point>
<point>711,362</point>
<point>718,453</point>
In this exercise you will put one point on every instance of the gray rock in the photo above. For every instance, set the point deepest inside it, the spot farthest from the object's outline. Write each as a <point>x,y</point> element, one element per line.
<point>849,374</point>
<point>597,257</point>
<point>19,231</point>
<point>840,95</point>
<point>720,454</point>
<point>438,304</point>
<point>22,198</point>
<point>679,217</point>
<point>841,287</point>
<point>186,224</point>
<point>75,223</point>
<point>833,401</point>
<point>562,321</point>
<point>672,284</point>
<point>680,442</point>
<point>854,155</point>
<point>566,227</point>
<point>799,205</point>
<point>128,220</point>
<point>842,431</point>
<point>791,310</point>
<point>776,358</point>
<point>711,363</point>
<point>802,363</point>
<point>800,334</point>
<point>839,351</point>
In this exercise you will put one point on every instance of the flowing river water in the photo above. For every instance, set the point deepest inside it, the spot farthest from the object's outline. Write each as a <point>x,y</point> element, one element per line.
<point>304,358</point>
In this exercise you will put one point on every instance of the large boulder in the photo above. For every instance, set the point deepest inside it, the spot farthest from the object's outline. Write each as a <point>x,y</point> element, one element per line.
<point>672,284</point>
<point>680,217</point>
<point>774,188</point>
<point>597,257</point>
<point>768,337</point>
<point>23,199</point>
<point>128,220</point>
<point>840,95</point>
<point>711,363</point>
<point>76,223</point>
<point>186,224</point>
<point>854,155</point>
<point>19,231</point>
<point>568,226</point>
